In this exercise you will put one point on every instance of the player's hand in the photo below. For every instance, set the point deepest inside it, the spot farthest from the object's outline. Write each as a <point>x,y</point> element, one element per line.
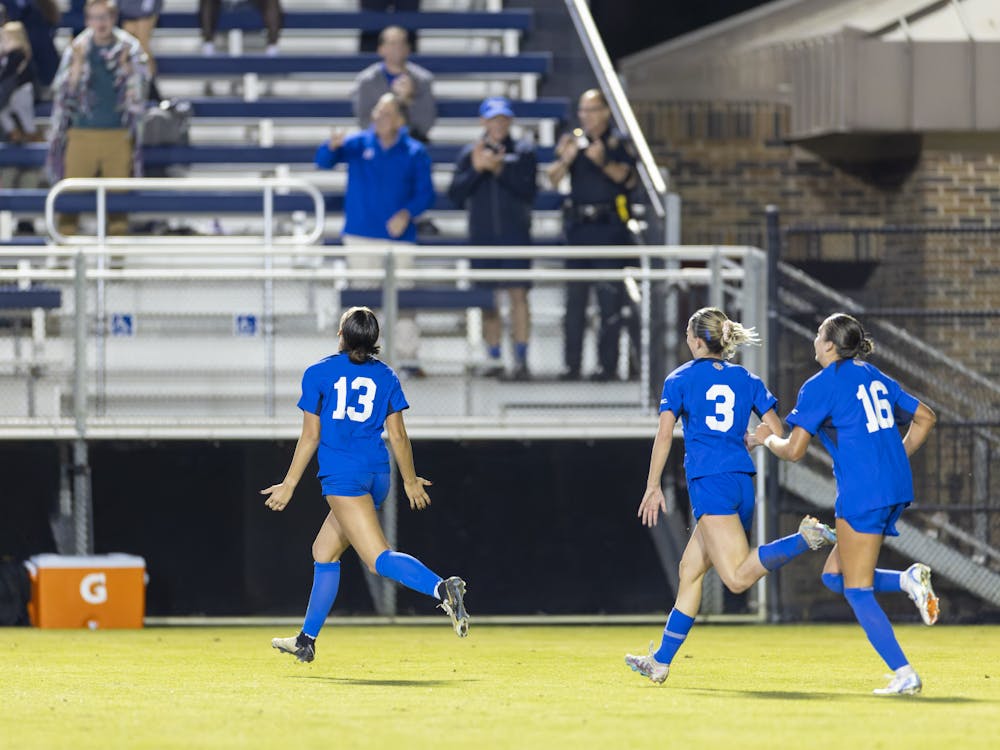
<point>403,87</point>
<point>336,139</point>
<point>278,496</point>
<point>398,223</point>
<point>653,503</point>
<point>596,153</point>
<point>758,436</point>
<point>416,494</point>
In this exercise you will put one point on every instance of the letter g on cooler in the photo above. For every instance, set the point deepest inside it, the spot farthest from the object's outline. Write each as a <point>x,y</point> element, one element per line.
<point>94,589</point>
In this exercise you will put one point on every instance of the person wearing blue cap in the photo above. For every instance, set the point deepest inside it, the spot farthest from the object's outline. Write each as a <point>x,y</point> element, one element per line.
<point>495,179</point>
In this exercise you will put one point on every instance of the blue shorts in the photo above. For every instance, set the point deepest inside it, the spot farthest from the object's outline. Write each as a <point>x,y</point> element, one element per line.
<point>356,484</point>
<point>723,495</point>
<point>878,521</point>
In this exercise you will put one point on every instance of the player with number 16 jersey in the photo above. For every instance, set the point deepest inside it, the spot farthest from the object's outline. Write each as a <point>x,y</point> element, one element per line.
<point>869,461</point>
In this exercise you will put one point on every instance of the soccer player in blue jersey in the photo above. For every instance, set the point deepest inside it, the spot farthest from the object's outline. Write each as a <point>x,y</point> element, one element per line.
<point>854,408</point>
<point>714,398</point>
<point>346,401</point>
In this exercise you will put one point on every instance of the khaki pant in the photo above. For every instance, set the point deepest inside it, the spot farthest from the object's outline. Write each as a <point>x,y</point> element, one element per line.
<point>97,153</point>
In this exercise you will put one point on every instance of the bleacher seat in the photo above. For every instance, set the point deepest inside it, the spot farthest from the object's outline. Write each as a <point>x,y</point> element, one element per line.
<point>218,107</point>
<point>202,202</point>
<point>33,155</point>
<point>250,20</point>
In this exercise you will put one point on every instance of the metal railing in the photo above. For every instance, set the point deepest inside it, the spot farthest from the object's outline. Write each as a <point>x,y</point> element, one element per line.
<point>268,187</point>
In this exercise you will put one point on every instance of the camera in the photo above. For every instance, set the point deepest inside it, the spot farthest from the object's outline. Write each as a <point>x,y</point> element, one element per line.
<point>582,141</point>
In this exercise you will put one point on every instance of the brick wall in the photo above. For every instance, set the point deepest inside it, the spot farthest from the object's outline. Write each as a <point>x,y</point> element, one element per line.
<point>728,161</point>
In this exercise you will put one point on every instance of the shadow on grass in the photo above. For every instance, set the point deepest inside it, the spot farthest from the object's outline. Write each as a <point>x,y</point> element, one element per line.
<point>383,683</point>
<point>793,695</point>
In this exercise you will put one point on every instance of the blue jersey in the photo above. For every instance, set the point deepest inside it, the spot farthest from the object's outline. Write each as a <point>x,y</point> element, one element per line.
<point>352,402</point>
<point>714,400</point>
<point>853,407</point>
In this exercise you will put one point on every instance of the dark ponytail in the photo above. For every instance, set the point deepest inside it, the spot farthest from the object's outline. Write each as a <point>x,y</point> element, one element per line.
<point>848,337</point>
<point>359,330</point>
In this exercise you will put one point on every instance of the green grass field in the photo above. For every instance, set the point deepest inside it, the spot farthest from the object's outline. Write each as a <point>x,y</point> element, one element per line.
<point>516,687</point>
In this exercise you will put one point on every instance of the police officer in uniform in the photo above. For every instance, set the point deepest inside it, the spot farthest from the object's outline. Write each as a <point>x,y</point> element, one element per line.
<point>600,162</point>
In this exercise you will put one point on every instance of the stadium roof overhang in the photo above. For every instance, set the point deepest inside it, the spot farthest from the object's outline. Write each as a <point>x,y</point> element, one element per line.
<point>842,66</point>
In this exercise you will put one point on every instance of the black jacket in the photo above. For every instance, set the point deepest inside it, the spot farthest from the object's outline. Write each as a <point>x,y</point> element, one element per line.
<point>499,206</point>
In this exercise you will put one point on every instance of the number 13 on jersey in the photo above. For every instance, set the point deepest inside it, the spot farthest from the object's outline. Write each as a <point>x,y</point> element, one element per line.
<point>365,390</point>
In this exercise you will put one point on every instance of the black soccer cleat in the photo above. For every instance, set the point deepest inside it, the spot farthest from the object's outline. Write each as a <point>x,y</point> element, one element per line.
<point>453,602</point>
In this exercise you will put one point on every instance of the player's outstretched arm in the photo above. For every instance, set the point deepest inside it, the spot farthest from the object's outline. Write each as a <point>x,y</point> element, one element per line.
<point>413,485</point>
<point>792,448</point>
<point>279,495</point>
<point>653,501</point>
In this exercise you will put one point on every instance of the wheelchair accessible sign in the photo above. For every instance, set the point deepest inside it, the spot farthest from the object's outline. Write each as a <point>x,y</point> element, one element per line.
<point>122,324</point>
<point>245,325</point>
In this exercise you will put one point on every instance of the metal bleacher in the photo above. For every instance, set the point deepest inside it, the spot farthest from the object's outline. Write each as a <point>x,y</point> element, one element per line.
<point>256,116</point>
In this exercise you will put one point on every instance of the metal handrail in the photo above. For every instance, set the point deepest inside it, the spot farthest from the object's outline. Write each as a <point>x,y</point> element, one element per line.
<point>649,173</point>
<point>267,187</point>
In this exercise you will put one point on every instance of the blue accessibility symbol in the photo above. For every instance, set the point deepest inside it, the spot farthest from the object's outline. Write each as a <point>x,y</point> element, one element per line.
<point>245,325</point>
<point>122,324</point>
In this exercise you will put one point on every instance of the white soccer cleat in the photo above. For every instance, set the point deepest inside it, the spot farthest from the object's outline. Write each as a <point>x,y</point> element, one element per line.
<point>648,666</point>
<point>817,534</point>
<point>905,684</point>
<point>301,649</point>
<point>916,582</point>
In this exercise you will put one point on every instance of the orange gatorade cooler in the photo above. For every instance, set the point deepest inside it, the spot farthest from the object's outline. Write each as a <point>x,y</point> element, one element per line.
<point>96,591</point>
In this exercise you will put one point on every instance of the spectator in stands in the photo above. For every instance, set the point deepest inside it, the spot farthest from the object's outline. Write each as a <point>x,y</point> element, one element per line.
<point>40,19</point>
<point>270,11</point>
<point>369,39</point>
<point>600,162</point>
<point>138,18</point>
<point>495,179</point>
<point>411,83</point>
<point>99,98</point>
<point>17,91</point>
<point>388,186</point>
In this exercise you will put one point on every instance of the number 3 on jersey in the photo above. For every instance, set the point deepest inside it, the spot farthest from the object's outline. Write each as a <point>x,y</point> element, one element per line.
<point>725,400</point>
<point>364,388</point>
<point>877,410</point>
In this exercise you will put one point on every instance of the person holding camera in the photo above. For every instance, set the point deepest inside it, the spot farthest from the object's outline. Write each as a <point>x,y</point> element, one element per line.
<point>495,179</point>
<point>600,163</point>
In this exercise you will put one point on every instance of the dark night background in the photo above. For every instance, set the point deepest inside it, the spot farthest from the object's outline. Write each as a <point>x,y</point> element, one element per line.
<point>632,25</point>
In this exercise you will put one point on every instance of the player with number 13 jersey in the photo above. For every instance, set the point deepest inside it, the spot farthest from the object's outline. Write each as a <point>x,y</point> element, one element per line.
<point>347,399</point>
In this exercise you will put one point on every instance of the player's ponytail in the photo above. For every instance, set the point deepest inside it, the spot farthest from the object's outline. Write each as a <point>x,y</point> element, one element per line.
<point>359,332</point>
<point>848,337</point>
<point>721,335</point>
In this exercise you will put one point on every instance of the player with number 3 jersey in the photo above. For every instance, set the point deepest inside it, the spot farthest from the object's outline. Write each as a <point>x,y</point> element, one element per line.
<point>714,400</point>
<point>854,408</point>
<point>347,400</point>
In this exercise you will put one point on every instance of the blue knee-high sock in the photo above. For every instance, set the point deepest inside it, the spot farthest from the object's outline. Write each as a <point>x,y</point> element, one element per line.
<point>408,571</point>
<point>326,581</point>
<point>876,626</point>
<point>885,581</point>
<point>521,352</point>
<point>775,554</point>
<point>676,630</point>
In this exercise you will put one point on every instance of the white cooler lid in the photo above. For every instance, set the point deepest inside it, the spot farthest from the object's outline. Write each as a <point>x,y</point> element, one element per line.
<point>114,560</point>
